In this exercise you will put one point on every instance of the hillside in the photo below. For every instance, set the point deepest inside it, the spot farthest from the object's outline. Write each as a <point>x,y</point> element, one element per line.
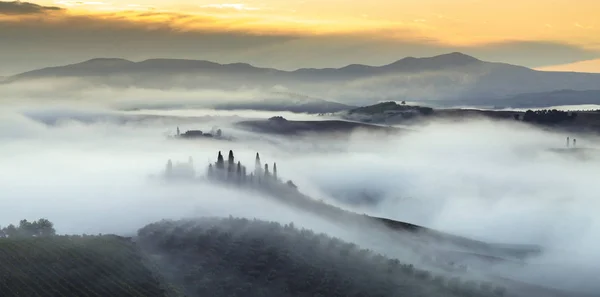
<point>227,257</point>
<point>61,266</point>
<point>451,79</point>
<point>214,257</point>
<point>281,126</point>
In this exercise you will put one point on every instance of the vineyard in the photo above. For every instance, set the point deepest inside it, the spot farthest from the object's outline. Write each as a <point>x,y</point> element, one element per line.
<point>93,266</point>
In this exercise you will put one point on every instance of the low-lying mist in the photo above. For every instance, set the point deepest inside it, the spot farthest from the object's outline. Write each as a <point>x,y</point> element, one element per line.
<point>88,169</point>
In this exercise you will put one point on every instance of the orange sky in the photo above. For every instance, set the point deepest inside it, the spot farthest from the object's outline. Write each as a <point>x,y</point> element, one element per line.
<point>572,27</point>
<point>454,21</point>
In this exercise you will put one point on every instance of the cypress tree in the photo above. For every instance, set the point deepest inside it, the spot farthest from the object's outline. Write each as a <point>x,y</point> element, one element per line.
<point>231,159</point>
<point>210,170</point>
<point>257,165</point>
<point>220,161</point>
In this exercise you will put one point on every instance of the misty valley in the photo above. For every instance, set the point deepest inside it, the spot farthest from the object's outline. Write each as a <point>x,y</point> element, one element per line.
<point>436,176</point>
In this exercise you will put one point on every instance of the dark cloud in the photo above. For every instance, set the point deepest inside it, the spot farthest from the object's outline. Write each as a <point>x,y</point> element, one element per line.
<point>35,42</point>
<point>23,8</point>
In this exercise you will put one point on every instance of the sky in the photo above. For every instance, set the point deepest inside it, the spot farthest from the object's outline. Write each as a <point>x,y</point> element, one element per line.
<point>294,34</point>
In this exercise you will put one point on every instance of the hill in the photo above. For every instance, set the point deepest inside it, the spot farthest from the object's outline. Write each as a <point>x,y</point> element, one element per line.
<point>391,113</point>
<point>281,126</point>
<point>451,79</point>
<point>240,257</point>
<point>60,266</point>
<point>229,257</point>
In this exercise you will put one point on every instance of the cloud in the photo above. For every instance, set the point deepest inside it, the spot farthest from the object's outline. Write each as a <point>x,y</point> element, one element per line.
<point>592,66</point>
<point>256,38</point>
<point>235,6</point>
<point>534,53</point>
<point>24,8</point>
<point>86,166</point>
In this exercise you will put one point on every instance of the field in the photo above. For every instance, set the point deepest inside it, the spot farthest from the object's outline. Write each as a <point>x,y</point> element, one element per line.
<point>75,266</point>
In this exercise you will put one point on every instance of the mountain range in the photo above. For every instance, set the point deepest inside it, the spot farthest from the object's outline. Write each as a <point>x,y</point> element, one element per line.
<point>450,79</point>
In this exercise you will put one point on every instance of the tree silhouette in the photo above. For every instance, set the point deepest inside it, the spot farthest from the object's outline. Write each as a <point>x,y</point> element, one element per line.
<point>45,228</point>
<point>210,170</point>
<point>39,228</point>
<point>220,161</point>
<point>231,159</point>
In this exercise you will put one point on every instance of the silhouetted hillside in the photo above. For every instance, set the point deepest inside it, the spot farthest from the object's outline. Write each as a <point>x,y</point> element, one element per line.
<point>451,79</point>
<point>240,257</point>
<point>285,127</point>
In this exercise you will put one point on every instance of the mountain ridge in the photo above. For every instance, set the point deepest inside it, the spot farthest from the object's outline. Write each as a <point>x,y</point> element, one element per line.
<point>450,58</point>
<point>453,78</point>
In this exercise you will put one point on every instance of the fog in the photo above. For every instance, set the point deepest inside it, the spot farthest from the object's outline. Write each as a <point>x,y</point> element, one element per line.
<point>88,165</point>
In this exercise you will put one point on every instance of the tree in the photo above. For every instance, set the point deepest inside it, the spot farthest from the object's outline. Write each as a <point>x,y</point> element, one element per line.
<point>220,161</point>
<point>27,228</point>
<point>11,231</point>
<point>45,228</point>
<point>257,165</point>
<point>210,170</point>
<point>231,159</point>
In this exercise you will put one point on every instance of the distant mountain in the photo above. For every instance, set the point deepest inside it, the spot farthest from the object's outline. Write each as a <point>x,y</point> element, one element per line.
<point>453,78</point>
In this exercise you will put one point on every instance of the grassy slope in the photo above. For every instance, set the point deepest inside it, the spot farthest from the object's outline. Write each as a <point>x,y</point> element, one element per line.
<point>75,266</point>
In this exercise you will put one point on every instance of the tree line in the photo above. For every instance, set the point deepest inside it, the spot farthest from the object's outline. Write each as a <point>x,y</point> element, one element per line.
<point>40,228</point>
<point>548,116</point>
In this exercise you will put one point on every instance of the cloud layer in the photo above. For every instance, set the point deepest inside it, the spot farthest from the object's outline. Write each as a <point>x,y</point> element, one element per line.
<point>24,8</point>
<point>89,169</point>
<point>56,37</point>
